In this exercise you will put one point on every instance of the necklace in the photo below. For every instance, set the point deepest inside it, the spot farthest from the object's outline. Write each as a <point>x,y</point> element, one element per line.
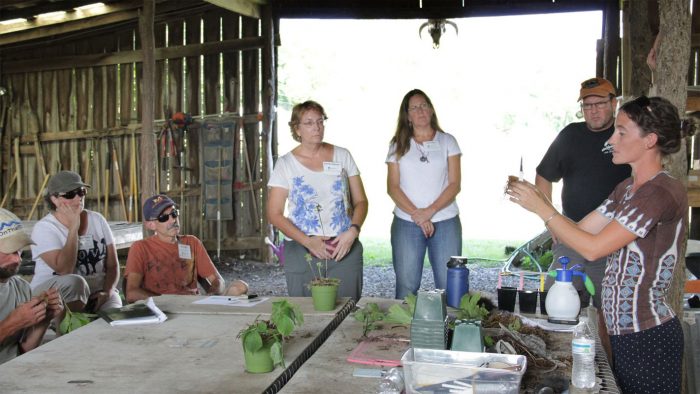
<point>423,154</point>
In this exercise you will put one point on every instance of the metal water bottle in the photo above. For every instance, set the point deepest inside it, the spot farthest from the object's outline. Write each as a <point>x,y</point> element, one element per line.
<point>457,280</point>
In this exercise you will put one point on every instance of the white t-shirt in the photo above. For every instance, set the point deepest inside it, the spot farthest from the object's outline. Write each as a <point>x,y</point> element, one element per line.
<point>318,202</point>
<point>423,181</point>
<point>49,234</point>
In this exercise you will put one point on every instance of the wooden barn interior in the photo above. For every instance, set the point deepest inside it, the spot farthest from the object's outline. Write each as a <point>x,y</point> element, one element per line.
<point>179,97</point>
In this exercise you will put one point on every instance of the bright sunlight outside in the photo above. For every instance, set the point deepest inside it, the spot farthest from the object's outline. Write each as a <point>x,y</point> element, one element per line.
<point>504,87</point>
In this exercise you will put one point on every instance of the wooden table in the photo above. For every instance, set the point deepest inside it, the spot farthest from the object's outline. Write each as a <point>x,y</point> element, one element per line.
<point>184,304</point>
<point>328,367</point>
<point>193,353</point>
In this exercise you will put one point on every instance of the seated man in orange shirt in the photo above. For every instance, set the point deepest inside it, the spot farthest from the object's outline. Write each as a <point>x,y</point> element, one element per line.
<point>170,263</point>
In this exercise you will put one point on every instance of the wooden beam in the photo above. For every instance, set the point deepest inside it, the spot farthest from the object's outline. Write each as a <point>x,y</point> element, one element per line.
<point>105,59</point>
<point>30,11</point>
<point>70,21</point>
<point>249,8</point>
<point>81,134</point>
<point>79,22</point>
<point>148,152</point>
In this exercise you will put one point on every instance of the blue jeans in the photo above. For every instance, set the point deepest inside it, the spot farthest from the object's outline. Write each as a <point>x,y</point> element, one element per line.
<point>408,246</point>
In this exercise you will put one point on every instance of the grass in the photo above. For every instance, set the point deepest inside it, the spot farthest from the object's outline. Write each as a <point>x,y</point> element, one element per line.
<point>487,253</point>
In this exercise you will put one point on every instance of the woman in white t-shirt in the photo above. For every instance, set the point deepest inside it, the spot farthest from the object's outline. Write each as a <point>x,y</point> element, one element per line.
<point>423,179</point>
<point>326,206</point>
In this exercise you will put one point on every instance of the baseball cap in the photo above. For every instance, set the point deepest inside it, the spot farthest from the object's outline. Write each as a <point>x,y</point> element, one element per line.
<point>12,235</point>
<point>64,181</point>
<point>155,205</point>
<point>596,87</point>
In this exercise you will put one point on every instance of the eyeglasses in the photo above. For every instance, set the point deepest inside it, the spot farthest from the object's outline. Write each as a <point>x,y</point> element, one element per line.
<point>598,105</point>
<point>166,216</point>
<point>422,106</point>
<point>311,123</point>
<point>71,194</point>
<point>590,83</point>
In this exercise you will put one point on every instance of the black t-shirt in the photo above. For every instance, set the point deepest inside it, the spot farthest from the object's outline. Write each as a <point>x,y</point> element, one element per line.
<point>589,174</point>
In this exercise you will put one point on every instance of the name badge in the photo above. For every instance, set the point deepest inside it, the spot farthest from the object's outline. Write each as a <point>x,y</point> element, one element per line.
<point>431,146</point>
<point>184,251</point>
<point>85,242</point>
<point>332,168</point>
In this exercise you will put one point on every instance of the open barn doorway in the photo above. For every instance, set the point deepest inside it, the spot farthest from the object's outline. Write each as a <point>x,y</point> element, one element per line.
<point>504,86</point>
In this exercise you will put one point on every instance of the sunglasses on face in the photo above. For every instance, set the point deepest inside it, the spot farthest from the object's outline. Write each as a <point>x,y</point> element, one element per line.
<point>166,216</point>
<point>71,194</point>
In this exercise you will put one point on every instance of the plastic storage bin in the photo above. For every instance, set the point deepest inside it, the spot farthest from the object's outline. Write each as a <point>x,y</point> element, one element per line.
<point>430,370</point>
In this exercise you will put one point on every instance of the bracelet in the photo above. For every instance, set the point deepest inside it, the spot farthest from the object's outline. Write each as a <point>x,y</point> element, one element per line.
<point>551,217</point>
<point>357,227</point>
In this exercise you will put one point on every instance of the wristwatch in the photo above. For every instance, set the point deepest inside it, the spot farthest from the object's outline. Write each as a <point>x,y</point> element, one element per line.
<point>357,227</point>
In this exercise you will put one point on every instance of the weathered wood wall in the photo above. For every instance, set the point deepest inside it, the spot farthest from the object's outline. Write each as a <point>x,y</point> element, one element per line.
<point>74,104</point>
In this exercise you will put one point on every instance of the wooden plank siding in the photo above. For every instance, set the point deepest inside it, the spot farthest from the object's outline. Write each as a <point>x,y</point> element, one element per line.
<point>84,111</point>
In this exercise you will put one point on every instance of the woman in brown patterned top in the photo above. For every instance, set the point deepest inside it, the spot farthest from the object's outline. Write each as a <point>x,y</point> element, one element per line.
<point>641,228</point>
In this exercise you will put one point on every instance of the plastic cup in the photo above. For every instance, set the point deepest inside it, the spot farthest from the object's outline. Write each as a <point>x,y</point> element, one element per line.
<point>506,298</point>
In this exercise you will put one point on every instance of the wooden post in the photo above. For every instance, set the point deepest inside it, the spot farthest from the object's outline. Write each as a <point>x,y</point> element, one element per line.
<point>148,141</point>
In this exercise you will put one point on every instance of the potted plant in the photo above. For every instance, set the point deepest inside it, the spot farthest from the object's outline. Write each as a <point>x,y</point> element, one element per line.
<point>324,290</point>
<point>262,339</point>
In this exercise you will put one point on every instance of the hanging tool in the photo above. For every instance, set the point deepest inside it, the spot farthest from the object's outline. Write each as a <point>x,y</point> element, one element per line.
<point>18,169</point>
<point>38,198</point>
<point>106,179</point>
<point>118,177</point>
<point>244,148</point>
<point>9,187</point>
<point>168,151</point>
<point>96,164</point>
<point>133,189</point>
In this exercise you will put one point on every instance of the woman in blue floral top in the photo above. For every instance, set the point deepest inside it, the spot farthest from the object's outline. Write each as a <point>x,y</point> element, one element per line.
<point>326,206</point>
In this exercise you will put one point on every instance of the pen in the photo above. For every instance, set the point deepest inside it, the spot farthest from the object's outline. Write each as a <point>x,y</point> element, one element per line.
<point>243,297</point>
<point>520,178</point>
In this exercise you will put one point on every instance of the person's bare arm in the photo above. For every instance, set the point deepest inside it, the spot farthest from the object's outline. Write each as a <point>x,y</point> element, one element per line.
<point>217,284</point>
<point>343,242</point>
<point>610,237</point>
<point>393,189</point>
<point>134,292</point>
<point>454,186</point>
<point>276,198</point>
<point>53,304</point>
<point>544,185</point>
<point>237,287</point>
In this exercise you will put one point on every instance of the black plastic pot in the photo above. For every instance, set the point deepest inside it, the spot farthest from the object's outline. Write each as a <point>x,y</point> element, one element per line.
<point>527,300</point>
<point>506,298</point>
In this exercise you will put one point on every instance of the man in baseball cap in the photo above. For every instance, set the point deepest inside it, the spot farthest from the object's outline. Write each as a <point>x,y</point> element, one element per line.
<point>578,156</point>
<point>23,318</point>
<point>170,263</point>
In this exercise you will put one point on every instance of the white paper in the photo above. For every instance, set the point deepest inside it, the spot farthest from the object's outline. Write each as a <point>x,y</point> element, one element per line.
<point>158,318</point>
<point>230,301</point>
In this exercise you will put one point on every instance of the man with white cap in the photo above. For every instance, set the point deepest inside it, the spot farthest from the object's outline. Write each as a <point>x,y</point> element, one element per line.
<point>170,263</point>
<point>23,318</point>
<point>578,156</point>
<point>75,249</point>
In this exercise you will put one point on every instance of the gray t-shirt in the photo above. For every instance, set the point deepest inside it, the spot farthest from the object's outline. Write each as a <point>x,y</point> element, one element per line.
<point>14,292</point>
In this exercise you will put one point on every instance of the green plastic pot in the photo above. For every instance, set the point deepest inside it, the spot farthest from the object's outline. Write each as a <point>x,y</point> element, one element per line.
<point>259,361</point>
<point>324,297</point>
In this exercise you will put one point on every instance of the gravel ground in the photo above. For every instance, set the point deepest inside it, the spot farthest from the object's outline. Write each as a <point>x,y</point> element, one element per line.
<point>268,279</point>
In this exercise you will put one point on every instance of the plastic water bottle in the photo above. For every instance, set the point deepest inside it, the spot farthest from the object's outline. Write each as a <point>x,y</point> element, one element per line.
<point>583,351</point>
<point>457,280</point>
<point>392,382</point>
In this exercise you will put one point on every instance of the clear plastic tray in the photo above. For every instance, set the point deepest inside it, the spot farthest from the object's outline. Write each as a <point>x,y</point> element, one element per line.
<point>439,371</point>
